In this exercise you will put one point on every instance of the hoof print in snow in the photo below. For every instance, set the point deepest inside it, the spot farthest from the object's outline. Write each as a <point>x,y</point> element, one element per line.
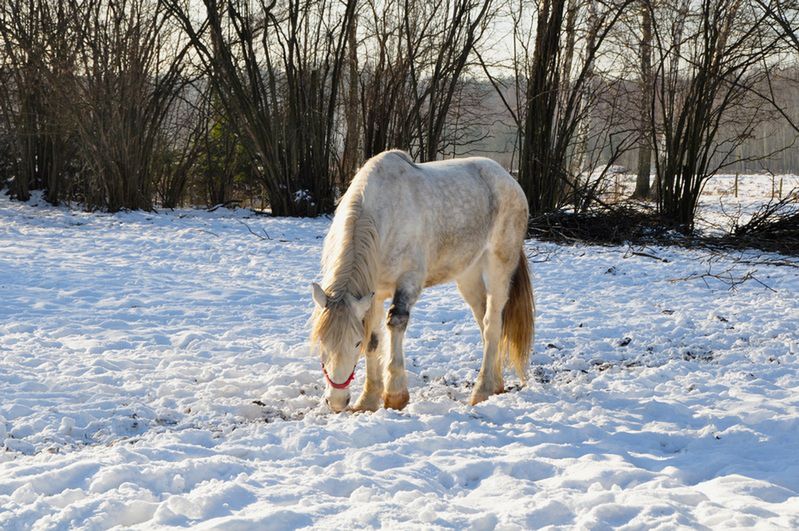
<point>541,375</point>
<point>602,366</point>
<point>701,356</point>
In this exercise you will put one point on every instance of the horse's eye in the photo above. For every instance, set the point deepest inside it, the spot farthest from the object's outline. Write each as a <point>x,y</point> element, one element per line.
<point>358,344</point>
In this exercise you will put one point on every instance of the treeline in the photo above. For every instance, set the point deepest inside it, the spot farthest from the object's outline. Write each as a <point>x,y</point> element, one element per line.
<point>158,103</point>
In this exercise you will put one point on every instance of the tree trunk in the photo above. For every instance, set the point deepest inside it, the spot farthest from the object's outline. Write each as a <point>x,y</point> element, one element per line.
<point>642,189</point>
<point>539,175</point>
<point>349,160</point>
<point>584,121</point>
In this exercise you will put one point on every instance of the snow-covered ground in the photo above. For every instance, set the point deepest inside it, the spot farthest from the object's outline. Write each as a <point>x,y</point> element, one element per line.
<point>155,372</point>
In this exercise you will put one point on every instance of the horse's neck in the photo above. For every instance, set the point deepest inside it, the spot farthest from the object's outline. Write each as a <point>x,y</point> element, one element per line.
<point>352,262</point>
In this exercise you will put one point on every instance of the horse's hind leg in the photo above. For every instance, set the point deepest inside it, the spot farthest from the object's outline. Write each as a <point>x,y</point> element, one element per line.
<point>472,288</point>
<point>395,392</point>
<point>371,396</point>
<point>498,272</point>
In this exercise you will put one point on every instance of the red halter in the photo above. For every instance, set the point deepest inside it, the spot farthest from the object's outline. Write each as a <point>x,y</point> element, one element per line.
<point>335,385</point>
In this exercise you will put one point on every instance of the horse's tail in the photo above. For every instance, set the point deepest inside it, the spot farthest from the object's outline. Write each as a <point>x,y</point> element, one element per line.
<point>518,319</point>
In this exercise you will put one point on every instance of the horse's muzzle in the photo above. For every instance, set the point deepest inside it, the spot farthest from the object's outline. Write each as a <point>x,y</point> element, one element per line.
<point>337,396</point>
<point>336,402</point>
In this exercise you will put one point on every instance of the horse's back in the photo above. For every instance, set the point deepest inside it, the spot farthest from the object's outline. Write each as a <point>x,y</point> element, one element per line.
<point>471,184</point>
<point>440,214</point>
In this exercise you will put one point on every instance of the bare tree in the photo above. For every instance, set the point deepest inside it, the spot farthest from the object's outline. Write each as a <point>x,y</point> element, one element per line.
<point>709,56</point>
<point>459,29</point>
<point>88,86</point>
<point>223,162</point>
<point>175,168</point>
<point>130,72</point>
<point>784,16</point>
<point>384,88</point>
<point>558,91</point>
<point>278,70</point>
<point>38,49</point>
<point>415,57</point>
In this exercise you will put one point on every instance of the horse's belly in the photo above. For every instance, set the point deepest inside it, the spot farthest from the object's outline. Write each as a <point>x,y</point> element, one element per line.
<point>439,276</point>
<point>451,262</point>
<point>440,265</point>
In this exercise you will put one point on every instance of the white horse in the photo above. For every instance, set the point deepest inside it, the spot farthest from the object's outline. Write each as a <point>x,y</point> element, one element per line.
<point>399,228</point>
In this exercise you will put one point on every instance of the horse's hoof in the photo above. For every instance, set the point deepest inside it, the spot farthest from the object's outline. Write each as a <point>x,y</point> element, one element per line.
<point>396,400</point>
<point>477,398</point>
<point>367,404</point>
<point>482,391</point>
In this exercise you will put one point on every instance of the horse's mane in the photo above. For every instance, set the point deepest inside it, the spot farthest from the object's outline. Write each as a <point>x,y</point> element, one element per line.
<point>349,266</point>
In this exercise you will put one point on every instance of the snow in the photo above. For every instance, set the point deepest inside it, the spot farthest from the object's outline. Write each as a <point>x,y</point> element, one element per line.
<point>155,372</point>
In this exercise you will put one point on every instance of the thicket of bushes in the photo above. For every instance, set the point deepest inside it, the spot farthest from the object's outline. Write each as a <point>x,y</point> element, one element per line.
<point>158,103</point>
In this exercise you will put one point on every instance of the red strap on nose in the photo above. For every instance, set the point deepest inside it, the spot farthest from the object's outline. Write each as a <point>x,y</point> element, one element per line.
<point>335,385</point>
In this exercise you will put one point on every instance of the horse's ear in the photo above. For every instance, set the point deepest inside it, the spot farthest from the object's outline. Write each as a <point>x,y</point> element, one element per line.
<point>361,306</point>
<point>319,296</point>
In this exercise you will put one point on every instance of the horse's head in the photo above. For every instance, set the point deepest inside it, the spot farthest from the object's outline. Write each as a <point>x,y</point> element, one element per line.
<point>338,330</point>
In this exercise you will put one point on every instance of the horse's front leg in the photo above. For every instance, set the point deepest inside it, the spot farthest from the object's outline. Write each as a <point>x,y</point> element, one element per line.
<point>395,392</point>
<point>371,396</point>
